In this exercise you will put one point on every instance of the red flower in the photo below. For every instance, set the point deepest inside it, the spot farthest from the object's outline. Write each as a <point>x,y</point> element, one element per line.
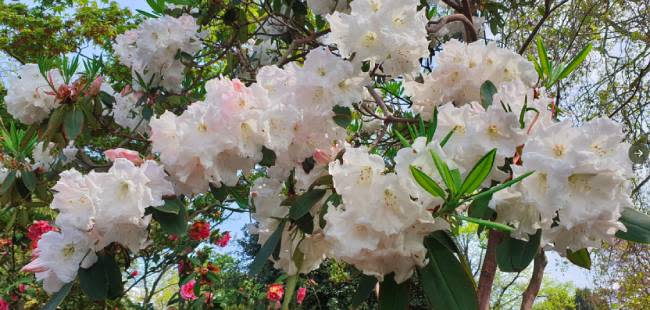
<point>4,305</point>
<point>36,230</point>
<point>223,240</point>
<point>200,230</point>
<point>302,292</point>
<point>275,292</point>
<point>187,290</point>
<point>134,273</point>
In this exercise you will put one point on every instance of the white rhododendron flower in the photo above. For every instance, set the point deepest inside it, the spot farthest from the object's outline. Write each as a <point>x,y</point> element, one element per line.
<point>460,71</point>
<point>30,98</point>
<point>378,228</point>
<point>151,50</point>
<point>128,114</point>
<point>388,33</point>
<point>43,157</point>
<point>59,256</point>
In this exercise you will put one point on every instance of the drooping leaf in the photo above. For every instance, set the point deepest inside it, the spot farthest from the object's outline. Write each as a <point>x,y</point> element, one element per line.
<point>8,182</point>
<point>445,283</point>
<point>174,224</point>
<point>487,93</point>
<point>366,286</point>
<point>580,258</point>
<point>478,174</point>
<point>305,202</point>
<point>73,123</point>
<point>637,225</point>
<point>29,180</point>
<point>58,297</point>
<point>172,206</point>
<point>393,296</point>
<point>93,281</point>
<point>266,250</point>
<point>427,183</point>
<point>514,255</point>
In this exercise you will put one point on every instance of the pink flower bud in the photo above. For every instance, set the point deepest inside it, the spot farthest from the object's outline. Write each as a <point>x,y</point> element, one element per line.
<point>129,155</point>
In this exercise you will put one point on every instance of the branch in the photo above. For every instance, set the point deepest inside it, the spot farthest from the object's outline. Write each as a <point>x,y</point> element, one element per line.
<point>453,4</point>
<point>638,187</point>
<point>528,298</point>
<point>548,10</point>
<point>488,271</point>
<point>637,86</point>
<point>470,31</point>
<point>389,115</point>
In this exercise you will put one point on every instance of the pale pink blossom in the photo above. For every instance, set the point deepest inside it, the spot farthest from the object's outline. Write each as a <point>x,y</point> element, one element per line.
<point>129,155</point>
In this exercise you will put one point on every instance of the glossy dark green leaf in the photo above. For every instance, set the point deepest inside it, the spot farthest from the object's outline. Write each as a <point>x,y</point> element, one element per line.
<point>393,296</point>
<point>574,63</point>
<point>514,255</point>
<point>29,180</point>
<point>268,157</point>
<point>58,297</point>
<point>172,206</point>
<point>444,281</point>
<point>427,183</point>
<point>478,174</point>
<point>580,258</point>
<point>637,224</point>
<point>174,224</point>
<point>366,286</point>
<point>93,281</point>
<point>305,202</point>
<point>444,172</point>
<point>266,250</point>
<point>487,93</point>
<point>73,123</point>
<point>502,186</point>
<point>543,57</point>
<point>342,116</point>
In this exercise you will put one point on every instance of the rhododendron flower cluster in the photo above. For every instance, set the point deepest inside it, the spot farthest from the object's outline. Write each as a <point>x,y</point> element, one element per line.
<point>388,33</point>
<point>151,50</point>
<point>460,71</point>
<point>30,97</point>
<point>96,210</point>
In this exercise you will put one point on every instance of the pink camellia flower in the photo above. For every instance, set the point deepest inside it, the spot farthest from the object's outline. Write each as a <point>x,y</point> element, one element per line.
<point>275,292</point>
<point>4,305</point>
<point>223,240</point>
<point>36,230</point>
<point>302,292</point>
<point>187,290</point>
<point>129,155</point>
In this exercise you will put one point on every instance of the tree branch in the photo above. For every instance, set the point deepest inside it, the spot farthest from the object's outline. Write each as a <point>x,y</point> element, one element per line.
<point>488,271</point>
<point>470,31</point>
<point>528,297</point>
<point>548,10</point>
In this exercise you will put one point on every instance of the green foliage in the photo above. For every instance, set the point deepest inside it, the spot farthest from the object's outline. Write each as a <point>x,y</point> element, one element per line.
<point>514,255</point>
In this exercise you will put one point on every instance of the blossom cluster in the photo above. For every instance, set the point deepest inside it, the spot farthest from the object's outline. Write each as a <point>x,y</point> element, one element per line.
<point>96,210</point>
<point>387,33</point>
<point>30,97</point>
<point>152,50</point>
<point>288,111</point>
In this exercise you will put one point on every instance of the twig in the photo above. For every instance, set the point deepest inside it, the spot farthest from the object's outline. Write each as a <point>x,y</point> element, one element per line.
<point>528,297</point>
<point>488,271</point>
<point>638,187</point>
<point>548,10</point>
<point>470,31</point>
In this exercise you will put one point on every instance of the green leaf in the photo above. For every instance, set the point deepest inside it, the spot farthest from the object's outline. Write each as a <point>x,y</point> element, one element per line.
<point>342,116</point>
<point>305,202</point>
<point>444,281</point>
<point>73,123</point>
<point>56,119</point>
<point>637,224</point>
<point>446,138</point>
<point>487,92</point>
<point>266,250</point>
<point>427,183</point>
<point>93,281</point>
<point>543,57</point>
<point>579,258</point>
<point>29,180</point>
<point>444,172</point>
<point>147,112</point>
<point>393,296</point>
<point>514,255</point>
<point>58,297</point>
<point>478,174</point>
<point>486,223</point>
<point>502,186</point>
<point>574,63</point>
<point>8,182</point>
<point>174,224</point>
<point>366,286</point>
<point>401,138</point>
<point>171,206</point>
<point>268,157</point>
